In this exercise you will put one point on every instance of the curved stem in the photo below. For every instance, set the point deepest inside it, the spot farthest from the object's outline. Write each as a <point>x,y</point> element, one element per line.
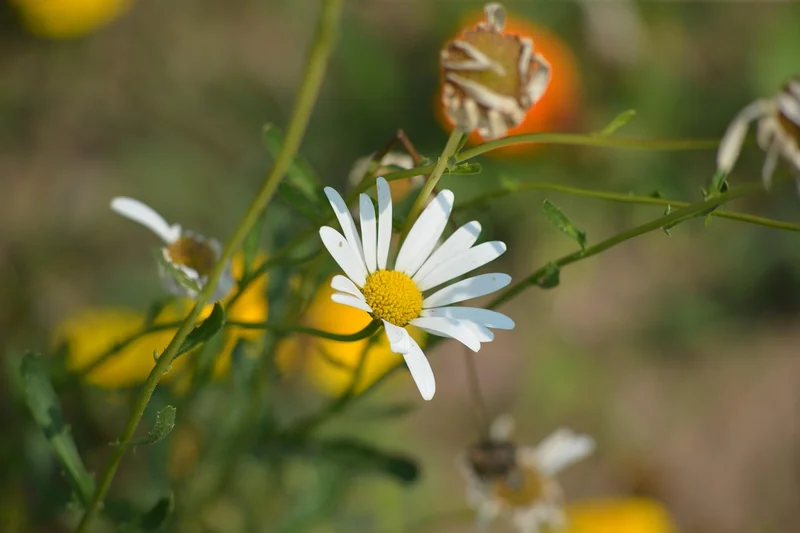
<point>307,96</point>
<point>361,334</point>
<point>513,187</point>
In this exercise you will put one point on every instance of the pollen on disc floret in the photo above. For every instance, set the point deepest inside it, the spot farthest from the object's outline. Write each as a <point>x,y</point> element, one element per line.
<point>393,296</point>
<point>193,252</point>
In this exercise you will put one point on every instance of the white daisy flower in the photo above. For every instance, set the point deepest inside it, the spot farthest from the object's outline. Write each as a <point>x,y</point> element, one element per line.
<point>402,294</point>
<point>518,482</point>
<point>778,131</point>
<point>189,252</point>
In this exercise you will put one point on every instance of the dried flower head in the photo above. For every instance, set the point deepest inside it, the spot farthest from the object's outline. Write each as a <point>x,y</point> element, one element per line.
<point>491,79</point>
<point>778,131</point>
<point>400,188</point>
<point>188,253</point>
<point>519,481</point>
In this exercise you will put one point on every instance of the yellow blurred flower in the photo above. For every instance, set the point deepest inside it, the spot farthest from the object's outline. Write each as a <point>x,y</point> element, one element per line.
<point>618,515</point>
<point>329,364</point>
<point>91,333</point>
<point>65,19</point>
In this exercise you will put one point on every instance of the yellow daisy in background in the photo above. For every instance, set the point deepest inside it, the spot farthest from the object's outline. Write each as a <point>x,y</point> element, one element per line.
<point>93,332</point>
<point>66,19</point>
<point>618,515</point>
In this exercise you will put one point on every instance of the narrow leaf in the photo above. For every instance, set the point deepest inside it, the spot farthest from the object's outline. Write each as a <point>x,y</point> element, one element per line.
<point>46,410</point>
<point>300,172</point>
<point>551,277</point>
<point>359,455</point>
<point>302,203</point>
<point>619,121</point>
<point>165,423</point>
<point>466,168</point>
<point>719,183</point>
<point>156,517</point>
<point>558,219</point>
<point>203,332</point>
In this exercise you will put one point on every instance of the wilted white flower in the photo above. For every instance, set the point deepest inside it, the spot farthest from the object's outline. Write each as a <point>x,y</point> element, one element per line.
<point>778,131</point>
<point>395,294</point>
<point>518,482</point>
<point>191,253</point>
<point>491,80</point>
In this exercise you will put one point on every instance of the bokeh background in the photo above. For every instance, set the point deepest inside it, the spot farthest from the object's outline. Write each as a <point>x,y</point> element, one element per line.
<point>679,354</point>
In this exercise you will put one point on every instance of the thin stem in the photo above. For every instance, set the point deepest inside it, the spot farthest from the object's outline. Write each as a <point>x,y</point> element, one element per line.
<point>430,184</point>
<point>307,96</point>
<point>513,187</point>
<point>361,334</point>
<point>478,403</point>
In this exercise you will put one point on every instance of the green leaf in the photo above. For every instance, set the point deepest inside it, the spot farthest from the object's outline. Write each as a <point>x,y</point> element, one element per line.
<point>719,183</point>
<point>466,168</point>
<point>361,456</point>
<point>619,121</point>
<point>165,423</point>
<point>243,366</point>
<point>558,219</point>
<point>551,277</point>
<point>44,405</point>
<point>300,174</point>
<point>177,274</point>
<point>204,331</point>
<point>309,207</point>
<point>383,412</point>
<point>155,518</point>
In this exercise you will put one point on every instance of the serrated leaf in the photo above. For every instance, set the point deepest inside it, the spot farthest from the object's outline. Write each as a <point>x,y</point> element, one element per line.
<point>358,455</point>
<point>176,273</point>
<point>204,331</point>
<point>466,168</point>
<point>45,408</point>
<point>163,426</point>
<point>558,219</point>
<point>551,277</point>
<point>618,121</point>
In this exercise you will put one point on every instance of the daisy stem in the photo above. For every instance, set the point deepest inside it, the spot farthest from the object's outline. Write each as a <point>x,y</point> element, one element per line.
<point>449,151</point>
<point>324,39</point>
<point>481,413</point>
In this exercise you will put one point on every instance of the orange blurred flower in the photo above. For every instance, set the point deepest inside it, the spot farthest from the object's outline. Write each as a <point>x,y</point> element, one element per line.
<point>559,105</point>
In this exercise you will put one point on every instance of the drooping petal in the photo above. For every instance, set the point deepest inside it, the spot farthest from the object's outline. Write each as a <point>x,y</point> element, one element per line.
<point>369,231</point>
<point>424,234</point>
<point>561,449</point>
<point>482,333</point>
<point>352,301</point>
<point>448,327</point>
<point>384,221</point>
<point>345,220</point>
<point>770,162</point>
<point>731,143</point>
<point>146,216</point>
<point>420,370</point>
<point>399,339</point>
<point>343,284</point>
<point>462,263</point>
<point>484,317</point>
<point>460,241</point>
<point>347,258</point>
<point>467,289</point>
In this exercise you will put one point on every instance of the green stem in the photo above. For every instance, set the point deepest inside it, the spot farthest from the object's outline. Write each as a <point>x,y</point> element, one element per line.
<point>430,184</point>
<point>307,96</point>
<point>367,331</point>
<point>512,187</point>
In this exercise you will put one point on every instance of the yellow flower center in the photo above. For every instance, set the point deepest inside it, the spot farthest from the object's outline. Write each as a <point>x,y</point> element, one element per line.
<point>194,253</point>
<point>521,487</point>
<point>393,296</point>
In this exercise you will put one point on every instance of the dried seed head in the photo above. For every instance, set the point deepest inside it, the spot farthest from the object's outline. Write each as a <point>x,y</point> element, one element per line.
<point>491,79</point>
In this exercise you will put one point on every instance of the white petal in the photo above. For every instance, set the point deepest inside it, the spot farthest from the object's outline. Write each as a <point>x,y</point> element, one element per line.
<point>424,234</point>
<point>344,255</point>
<point>467,289</point>
<point>462,263</point>
<point>345,220</point>
<point>460,241</point>
<point>448,327</point>
<point>420,370</point>
<point>384,221</point>
<point>399,339</point>
<point>146,216</point>
<point>369,231</point>
<point>790,107</point>
<point>770,162</point>
<point>484,317</point>
<point>483,333</point>
<point>731,143</point>
<point>352,301</point>
<point>343,284</point>
<point>561,449</point>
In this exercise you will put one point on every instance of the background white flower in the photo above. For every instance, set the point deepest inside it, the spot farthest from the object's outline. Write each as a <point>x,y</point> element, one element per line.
<point>396,295</point>
<point>191,253</point>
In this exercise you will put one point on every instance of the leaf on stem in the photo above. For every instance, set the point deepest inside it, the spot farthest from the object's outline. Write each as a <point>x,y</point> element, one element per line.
<point>203,332</point>
<point>165,423</point>
<point>618,121</point>
<point>45,407</point>
<point>465,168</point>
<point>551,276</point>
<point>558,219</point>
